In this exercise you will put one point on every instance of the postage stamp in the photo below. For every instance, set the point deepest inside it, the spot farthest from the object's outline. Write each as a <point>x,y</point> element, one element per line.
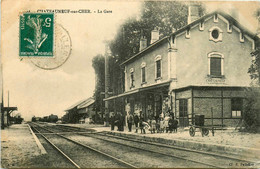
<point>36,34</point>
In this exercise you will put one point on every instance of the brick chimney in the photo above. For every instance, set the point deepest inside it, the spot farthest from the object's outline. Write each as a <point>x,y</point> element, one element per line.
<point>193,12</point>
<point>154,35</point>
<point>143,43</point>
<point>258,27</point>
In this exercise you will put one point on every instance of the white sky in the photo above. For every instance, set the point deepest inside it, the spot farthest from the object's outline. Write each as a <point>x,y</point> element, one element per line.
<point>39,92</point>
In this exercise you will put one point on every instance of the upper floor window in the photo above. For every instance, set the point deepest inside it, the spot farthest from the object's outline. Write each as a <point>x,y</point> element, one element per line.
<point>215,34</point>
<point>143,73</point>
<point>158,67</point>
<point>236,107</point>
<point>132,80</point>
<point>216,67</point>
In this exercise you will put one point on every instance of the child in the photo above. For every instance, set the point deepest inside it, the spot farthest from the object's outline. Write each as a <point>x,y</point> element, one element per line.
<point>161,125</point>
<point>153,125</point>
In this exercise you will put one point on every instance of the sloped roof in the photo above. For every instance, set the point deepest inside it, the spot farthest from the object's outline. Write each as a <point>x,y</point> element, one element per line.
<point>165,39</point>
<point>86,103</point>
<point>82,104</point>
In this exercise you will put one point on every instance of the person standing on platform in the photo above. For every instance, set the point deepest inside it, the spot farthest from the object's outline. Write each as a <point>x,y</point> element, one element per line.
<point>175,125</point>
<point>121,122</point>
<point>112,122</point>
<point>136,121</point>
<point>171,121</point>
<point>141,124</point>
<point>130,122</point>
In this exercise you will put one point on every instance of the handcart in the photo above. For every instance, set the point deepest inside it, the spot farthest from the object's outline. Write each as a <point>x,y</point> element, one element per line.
<point>199,127</point>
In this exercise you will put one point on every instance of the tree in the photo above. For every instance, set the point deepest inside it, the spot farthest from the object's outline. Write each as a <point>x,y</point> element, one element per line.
<point>252,100</point>
<point>98,63</point>
<point>254,69</point>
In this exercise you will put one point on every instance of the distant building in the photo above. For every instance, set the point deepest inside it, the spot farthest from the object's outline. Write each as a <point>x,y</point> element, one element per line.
<point>81,112</point>
<point>197,69</point>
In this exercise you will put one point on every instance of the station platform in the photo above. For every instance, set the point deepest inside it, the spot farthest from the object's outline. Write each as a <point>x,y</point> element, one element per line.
<point>18,146</point>
<point>229,141</point>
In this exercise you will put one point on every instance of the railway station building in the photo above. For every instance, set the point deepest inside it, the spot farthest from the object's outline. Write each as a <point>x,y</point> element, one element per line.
<point>81,112</point>
<point>198,69</point>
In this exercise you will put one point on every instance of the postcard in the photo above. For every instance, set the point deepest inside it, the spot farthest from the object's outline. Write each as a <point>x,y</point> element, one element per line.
<point>130,84</point>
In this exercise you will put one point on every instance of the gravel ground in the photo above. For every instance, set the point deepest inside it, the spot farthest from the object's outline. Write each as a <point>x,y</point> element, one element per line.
<point>229,137</point>
<point>217,161</point>
<point>134,156</point>
<point>17,146</point>
<point>84,157</point>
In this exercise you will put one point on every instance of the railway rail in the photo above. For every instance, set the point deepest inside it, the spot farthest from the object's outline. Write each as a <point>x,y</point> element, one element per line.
<point>176,152</point>
<point>34,127</point>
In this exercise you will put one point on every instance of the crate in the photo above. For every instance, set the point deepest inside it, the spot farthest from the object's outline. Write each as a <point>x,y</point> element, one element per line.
<point>199,120</point>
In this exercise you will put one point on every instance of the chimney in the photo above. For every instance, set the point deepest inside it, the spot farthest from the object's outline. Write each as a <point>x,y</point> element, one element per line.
<point>193,12</point>
<point>143,43</point>
<point>234,13</point>
<point>258,27</point>
<point>154,35</point>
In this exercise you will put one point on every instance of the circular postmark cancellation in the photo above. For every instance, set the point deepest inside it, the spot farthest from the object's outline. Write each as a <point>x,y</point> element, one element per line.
<point>62,50</point>
<point>42,41</point>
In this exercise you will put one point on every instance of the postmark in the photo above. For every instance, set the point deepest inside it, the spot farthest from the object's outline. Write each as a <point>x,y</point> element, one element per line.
<point>44,42</point>
<point>63,46</point>
<point>36,34</point>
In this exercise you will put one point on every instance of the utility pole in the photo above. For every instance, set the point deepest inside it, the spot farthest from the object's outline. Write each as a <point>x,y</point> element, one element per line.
<point>107,82</point>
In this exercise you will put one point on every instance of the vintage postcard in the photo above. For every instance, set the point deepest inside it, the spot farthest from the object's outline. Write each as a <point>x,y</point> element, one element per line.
<point>130,84</point>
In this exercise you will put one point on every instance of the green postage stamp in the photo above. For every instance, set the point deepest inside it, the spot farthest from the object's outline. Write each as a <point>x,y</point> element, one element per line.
<point>36,34</point>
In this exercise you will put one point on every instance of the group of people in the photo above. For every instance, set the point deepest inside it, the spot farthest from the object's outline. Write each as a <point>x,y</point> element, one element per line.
<point>160,124</point>
<point>117,120</point>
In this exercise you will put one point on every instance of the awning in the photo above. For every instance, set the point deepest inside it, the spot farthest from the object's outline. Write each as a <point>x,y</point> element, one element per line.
<point>122,94</point>
<point>150,87</point>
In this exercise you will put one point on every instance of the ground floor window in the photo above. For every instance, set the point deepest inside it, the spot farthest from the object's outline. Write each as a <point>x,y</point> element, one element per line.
<point>236,107</point>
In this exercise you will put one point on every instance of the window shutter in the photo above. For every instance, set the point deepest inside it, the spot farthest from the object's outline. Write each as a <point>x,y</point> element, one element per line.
<point>143,74</point>
<point>215,66</point>
<point>158,67</point>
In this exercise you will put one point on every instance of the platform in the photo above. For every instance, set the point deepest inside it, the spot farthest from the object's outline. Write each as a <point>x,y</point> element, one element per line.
<point>18,146</point>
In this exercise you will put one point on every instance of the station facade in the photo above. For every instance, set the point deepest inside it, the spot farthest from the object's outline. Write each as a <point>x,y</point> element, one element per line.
<point>198,69</point>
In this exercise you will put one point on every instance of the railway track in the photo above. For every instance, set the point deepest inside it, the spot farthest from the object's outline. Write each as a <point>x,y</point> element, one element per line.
<point>120,163</point>
<point>199,157</point>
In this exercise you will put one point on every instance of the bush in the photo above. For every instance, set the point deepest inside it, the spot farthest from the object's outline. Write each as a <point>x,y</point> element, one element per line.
<point>251,115</point>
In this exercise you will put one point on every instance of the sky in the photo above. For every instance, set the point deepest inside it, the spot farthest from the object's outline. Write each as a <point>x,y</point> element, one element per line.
<point>43,92</point>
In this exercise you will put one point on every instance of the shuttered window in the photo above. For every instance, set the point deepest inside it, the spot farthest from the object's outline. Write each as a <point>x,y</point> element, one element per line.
<point>215,66</point>
<point>132,80</point>
<point>143,75</point>
<point>158,68</point>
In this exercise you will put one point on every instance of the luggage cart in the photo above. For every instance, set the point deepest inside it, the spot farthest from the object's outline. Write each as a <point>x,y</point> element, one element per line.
<point>199,127</point>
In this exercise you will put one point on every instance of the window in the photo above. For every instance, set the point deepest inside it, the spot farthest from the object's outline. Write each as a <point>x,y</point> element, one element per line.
<point>158,68</point>
<point>132,80</point>
<point>143,75</point>
<point>236,107</point>
<point>183,107</point>
<point>216,67</point>
<point>215,34</point>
